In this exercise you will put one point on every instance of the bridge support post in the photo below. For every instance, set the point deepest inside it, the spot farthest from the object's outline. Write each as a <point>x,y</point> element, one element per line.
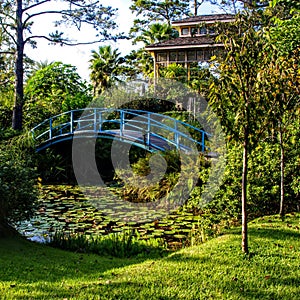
<point>72,122</point>
<point>148,130</point>
<point>122,123</point>
<point>95,120</point>
<point>50,128</point>
<point>176,136</point>
<point>100,121</point>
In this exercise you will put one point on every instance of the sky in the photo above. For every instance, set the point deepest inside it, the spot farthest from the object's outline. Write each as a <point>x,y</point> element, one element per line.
<point>79,56</point>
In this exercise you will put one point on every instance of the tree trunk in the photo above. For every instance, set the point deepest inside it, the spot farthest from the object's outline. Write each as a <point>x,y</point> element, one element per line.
<point>19,71</point>
<point>282,158</point>
<point>244,192</point>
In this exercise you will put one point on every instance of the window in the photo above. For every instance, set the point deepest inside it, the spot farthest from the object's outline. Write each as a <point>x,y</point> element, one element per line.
<point>203,30</point>
<point>211,30</point>
<point>185,31</point>
<point>191,55</point>
<point>200,55</point>
<point>173,56</point>
<point>194,31</point>
<point>207,54</point>
<point>161,56</point>
<point>181,56</point>
<point>163,64</point>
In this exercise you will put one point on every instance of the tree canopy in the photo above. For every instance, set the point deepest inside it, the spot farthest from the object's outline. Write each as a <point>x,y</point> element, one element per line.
<point>17,18</point>
<point>54,89</point>
<point>158,11</point>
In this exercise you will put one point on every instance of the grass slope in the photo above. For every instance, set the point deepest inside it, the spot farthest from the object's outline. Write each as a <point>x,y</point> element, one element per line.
<point>214,270</point>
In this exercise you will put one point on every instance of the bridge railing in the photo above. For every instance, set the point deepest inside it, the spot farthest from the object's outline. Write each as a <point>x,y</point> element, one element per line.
<point>125,124</point>
<point>171,130</point>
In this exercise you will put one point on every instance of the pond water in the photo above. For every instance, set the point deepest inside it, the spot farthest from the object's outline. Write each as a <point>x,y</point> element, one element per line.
<point>65,208</point>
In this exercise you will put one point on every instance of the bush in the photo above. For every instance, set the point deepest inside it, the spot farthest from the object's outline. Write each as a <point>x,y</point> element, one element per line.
<point>5,117</point>
<point>140,189</point>
<point>17,187</point>
<point>263,185</point>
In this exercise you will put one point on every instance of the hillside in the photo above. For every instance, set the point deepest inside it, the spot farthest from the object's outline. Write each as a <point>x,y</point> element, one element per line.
<point>214,270</point>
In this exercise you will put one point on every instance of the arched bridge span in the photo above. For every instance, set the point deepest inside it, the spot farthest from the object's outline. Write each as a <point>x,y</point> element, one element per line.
<point>144,129</point>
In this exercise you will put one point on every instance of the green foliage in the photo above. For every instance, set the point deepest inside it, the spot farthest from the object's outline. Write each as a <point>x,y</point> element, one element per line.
<point>226,203</point>
<point>148,12</point>
<point>293,162</point>
<point>125,244</point>
<point>285,34</point>
<point>6,76</point>
<point>137,187</point>
<point>256,93</point>
<point>106,67</point>
<point>150,104</point>
<point>5,117</point>
<point>140,186</point>
<point>263,185</point>
<point>196,77</point>
<point>53,166</point>
<point>141,60</point>
<point>17,185</point>
<point>200,78</point>
<point>160,10</point>
<point>52,90</point>
<point>174,71</point>
<point>265,179</point>
<point>287,5</point>
<point>279,82</point>
<point>235,95</point>
<point>154,26</point>
<point>17,18</point>
<point>156,33</point>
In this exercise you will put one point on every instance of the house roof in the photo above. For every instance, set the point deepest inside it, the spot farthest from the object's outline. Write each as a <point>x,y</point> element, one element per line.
<point>204,19</point>
<point>185,42</point>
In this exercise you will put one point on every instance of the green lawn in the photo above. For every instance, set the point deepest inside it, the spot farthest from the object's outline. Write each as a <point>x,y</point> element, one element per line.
<point>214,270</point>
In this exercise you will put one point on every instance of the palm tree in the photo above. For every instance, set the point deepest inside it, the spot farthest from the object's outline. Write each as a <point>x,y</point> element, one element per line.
<point>174,71</point>
<point>38,65</point>
<point>141,63</point>
<point>106,66</point>
<point>156,33</point>
<point>141,59</point>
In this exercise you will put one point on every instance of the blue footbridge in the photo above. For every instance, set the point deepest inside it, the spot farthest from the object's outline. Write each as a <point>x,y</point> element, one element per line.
<point>148,130</point>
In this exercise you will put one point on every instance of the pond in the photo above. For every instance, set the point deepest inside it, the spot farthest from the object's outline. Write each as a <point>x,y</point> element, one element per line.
<point>65,208</point>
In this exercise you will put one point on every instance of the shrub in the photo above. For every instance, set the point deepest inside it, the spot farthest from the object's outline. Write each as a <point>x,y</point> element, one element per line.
<point>17,187</point>
<point>5,116</point>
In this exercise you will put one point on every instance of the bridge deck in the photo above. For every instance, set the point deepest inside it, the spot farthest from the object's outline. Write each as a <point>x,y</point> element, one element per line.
<point>148,130</point>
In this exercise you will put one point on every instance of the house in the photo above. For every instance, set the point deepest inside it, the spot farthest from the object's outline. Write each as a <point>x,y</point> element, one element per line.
<point>196,42</point>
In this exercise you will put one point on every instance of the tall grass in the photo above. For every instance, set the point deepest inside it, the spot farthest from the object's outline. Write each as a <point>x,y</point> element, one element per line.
<point>123,244</point>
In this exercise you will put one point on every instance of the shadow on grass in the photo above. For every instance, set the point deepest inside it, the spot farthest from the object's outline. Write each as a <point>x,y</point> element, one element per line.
<point>268,232</point>
<point>274,233</point>
<point>23,261</point>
